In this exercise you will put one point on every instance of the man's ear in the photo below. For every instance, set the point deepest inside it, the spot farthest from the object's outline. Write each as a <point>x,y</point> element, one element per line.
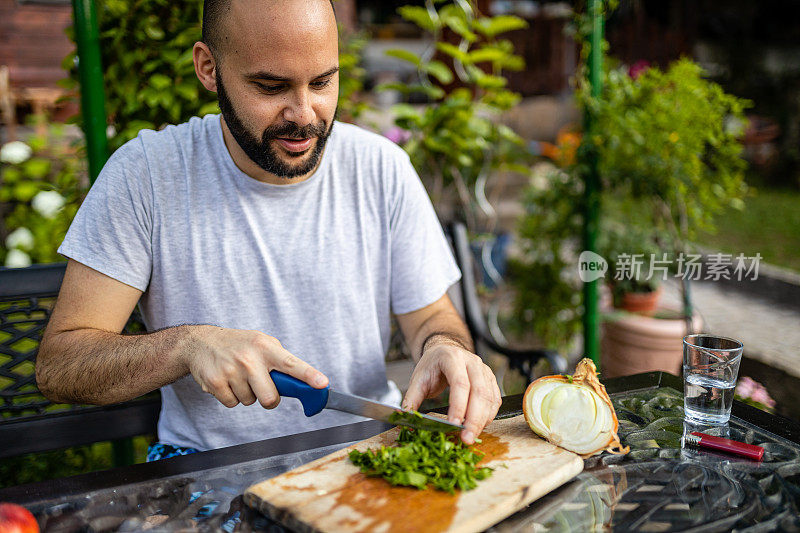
<point>204,66</point>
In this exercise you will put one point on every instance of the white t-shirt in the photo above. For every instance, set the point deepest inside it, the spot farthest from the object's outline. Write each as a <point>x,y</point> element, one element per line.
<point>319,265</point>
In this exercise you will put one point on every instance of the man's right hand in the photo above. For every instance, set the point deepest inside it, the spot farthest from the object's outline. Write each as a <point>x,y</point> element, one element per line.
<point>83,358</point>
<point>234,365</point>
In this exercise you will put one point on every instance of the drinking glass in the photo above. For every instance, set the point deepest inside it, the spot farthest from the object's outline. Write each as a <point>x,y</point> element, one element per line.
<point>710,369</point>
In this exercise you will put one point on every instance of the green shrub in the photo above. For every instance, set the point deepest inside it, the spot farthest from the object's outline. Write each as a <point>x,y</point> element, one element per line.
<point>668,147</point>
<point>457,143</point>
<point>146,51</point>
<point>672,139</point>
<point>39,197</point>
<point>54,464</point>
<point>351,75</point>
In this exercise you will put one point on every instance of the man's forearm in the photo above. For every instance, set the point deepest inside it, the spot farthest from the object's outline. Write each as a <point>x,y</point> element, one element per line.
<point>443,327</point>
<point>101,367</point>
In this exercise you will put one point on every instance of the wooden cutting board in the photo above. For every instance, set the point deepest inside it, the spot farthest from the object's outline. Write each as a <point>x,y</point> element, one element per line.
<point>331,495</point>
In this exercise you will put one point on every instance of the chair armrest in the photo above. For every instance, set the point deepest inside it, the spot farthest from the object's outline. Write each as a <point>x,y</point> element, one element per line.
<point>32,434</point>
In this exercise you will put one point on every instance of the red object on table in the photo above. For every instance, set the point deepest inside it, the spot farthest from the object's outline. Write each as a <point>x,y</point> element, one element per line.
<point>16,519</point>
<point>703,440</point>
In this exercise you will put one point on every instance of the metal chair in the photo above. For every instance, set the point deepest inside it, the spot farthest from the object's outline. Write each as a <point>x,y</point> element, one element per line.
<point>29,422</point>
<point>522,360</point>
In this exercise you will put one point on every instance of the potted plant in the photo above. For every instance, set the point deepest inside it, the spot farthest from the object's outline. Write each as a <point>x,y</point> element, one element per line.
<point>669,159</point>
<point>631,252</point>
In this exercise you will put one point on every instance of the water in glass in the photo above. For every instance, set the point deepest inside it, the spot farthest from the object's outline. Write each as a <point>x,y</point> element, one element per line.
<point>707,399</point>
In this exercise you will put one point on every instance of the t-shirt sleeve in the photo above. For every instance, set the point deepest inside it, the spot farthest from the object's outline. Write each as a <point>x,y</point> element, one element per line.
<point>112,230</point>
<point>423,267</point>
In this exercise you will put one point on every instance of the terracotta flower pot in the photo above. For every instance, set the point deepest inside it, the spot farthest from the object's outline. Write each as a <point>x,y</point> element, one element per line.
<point>641,302</point>
<point>634,343</point>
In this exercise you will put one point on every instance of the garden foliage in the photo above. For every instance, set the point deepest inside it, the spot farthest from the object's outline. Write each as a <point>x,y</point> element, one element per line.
<point>669,152</point>
<point>41,192</point>
<point>671,138</point>
<point>146,51</point>
<point>456,142</point>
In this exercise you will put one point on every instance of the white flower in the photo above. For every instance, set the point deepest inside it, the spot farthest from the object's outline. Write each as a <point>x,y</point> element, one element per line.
<point>15,152</point>
<point>17,259</point>
<point>20,238</point>
<point>48,203</point>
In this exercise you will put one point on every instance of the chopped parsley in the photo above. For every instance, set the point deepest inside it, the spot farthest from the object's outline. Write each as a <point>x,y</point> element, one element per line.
<point>423,458</point>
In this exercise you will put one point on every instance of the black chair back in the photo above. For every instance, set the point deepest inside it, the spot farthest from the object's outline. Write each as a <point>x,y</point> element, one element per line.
<point>519,359</point>
<point>29,422</point>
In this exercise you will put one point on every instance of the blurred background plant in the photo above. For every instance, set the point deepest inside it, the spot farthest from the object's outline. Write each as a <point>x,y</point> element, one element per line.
<point>352,101</point>
<point>630,250</point>
<point>44,181</point>
<point>669,152</point>
<point>672,140</point>
<point>146,52</point>
<point>547,297</point>
<point>456,141</point>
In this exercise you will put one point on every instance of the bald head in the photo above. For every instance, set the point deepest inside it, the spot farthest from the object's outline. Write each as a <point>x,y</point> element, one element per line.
<point>215,13</point>
<point>278,83</point>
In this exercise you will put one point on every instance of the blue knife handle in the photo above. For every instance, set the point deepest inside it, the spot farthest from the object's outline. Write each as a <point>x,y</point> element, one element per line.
<point>313,400</point>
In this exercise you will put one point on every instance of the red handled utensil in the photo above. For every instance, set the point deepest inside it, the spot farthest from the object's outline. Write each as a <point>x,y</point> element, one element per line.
<point>711,442</point>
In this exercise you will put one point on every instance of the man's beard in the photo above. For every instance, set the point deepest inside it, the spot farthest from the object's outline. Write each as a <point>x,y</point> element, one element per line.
<point>262,152</point>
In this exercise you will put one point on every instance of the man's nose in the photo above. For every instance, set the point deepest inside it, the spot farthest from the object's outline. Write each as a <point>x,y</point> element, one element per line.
<point>298,109</point>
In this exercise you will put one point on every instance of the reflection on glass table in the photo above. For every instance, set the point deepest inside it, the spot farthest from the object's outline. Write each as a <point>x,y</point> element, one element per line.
<point>209,500</point>
<point>660,486</point>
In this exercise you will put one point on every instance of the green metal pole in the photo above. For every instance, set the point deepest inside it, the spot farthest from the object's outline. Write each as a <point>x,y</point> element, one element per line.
<point>90,71</point>
<point>591,320</point>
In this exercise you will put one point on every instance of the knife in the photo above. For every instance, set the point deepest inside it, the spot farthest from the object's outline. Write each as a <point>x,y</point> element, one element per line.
<point>315,400</point>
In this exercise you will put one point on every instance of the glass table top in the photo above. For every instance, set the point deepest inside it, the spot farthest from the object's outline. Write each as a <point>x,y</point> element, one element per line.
<point>658,486</point>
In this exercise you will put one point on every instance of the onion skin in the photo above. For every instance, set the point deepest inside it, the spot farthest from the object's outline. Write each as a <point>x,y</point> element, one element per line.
<point>586,393</point>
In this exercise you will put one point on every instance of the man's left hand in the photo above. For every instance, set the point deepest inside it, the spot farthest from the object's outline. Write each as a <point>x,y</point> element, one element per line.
<point>474,395</point>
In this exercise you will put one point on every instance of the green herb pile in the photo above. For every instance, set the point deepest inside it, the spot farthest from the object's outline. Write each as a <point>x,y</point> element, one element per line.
<point>424,458</point>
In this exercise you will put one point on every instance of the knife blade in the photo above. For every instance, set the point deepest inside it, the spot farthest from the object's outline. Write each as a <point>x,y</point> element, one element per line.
<point>315,400</point>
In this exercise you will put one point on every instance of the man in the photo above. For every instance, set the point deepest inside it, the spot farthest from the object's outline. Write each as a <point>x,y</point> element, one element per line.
<point>262,239</point>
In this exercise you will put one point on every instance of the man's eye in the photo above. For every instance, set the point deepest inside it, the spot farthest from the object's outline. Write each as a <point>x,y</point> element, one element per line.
<point>320,84</point>
<point>271,89</point>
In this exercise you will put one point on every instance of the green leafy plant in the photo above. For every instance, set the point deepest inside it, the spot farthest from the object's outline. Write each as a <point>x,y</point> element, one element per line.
<point>543,273</point>
<point>672,140</point>
<point>456,141</point>
<point>146,51</point>
<point>669,160</point>
<point>424,458</point>
<point>630,251</point>
<point>352,104</point>
<point>34,467</point>
<point>39,198</point>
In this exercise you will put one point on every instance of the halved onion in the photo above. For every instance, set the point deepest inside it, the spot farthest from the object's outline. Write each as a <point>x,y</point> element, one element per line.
<point>573,412</point>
